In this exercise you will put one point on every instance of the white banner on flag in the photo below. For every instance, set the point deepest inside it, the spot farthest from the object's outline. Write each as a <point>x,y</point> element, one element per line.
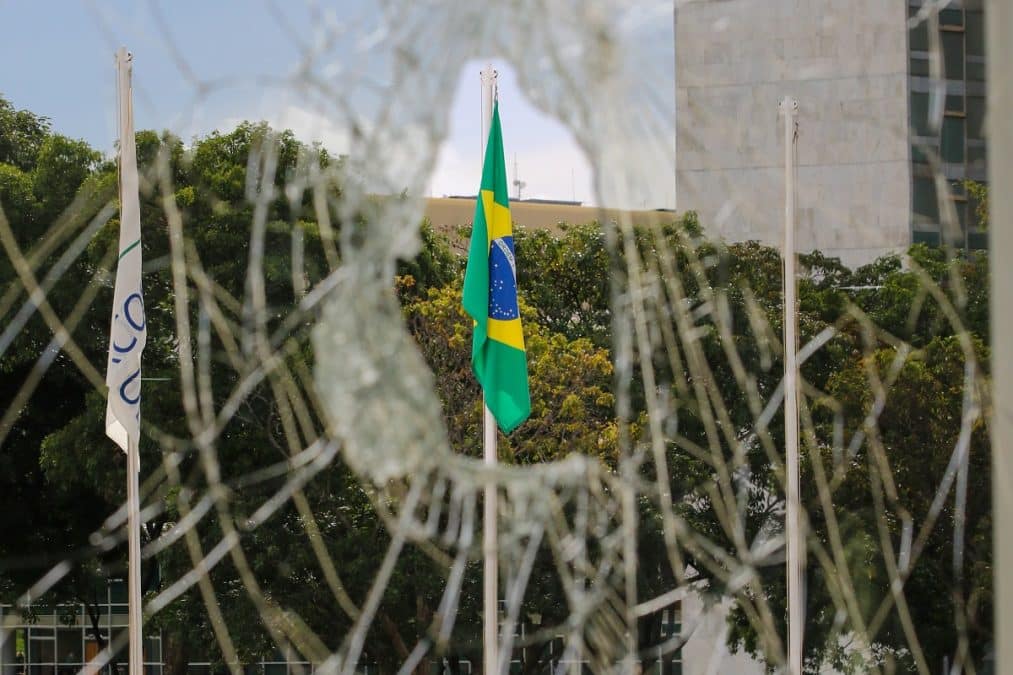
<point>128,333</point>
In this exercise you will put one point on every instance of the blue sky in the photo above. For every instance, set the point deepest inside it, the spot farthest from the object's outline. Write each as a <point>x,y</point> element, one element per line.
<point>63,68</point>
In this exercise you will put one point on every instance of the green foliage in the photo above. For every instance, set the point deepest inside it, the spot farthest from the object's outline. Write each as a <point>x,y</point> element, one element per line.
<point>915,435</point>
<point>570,381</point>
<point>16,194</point>
<point>877,309</point>
<point>435,266</point>
<point>60,168</point>
<point>978,192</point>
<point>22,134</point>
<point>63,476</point>
<point>40,174</point>
<point>566,280</point>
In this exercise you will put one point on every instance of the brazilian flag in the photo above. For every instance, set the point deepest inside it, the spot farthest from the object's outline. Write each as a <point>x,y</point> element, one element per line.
<point>498,358</point>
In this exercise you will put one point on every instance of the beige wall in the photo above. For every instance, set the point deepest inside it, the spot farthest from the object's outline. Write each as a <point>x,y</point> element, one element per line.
<point>447,214</point>
<point>846,63</point>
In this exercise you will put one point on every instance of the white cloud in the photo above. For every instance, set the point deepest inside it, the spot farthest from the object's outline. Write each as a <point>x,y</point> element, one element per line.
<point>308,126</point>
<point>548,160</point>
<point>550,170</point>
<point>556,170</point>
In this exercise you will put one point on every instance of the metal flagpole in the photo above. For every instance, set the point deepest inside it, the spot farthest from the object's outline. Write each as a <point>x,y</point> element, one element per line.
<point>1000,232</point>
<point>126,121</point>
<point>134,560</point>
<point>490,592</point>
<point>793,531</point>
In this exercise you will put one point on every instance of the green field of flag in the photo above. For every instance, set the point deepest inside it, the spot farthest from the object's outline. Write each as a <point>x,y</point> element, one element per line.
<point>498,357</point>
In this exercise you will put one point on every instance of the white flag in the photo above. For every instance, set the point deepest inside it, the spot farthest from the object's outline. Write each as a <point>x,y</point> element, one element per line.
<point>128,333</point>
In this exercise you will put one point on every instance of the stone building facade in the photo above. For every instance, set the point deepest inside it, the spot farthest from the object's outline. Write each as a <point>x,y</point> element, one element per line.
<point>871,130</point>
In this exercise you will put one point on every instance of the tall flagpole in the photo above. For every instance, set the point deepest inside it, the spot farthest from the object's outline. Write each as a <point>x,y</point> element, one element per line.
<point>1000,232</point>
<point>134,561</point>
<point>134,317</point>
<point>490,589</point>
<point>793,533</point>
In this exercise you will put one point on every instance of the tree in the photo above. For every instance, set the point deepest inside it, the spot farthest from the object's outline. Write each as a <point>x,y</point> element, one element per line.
<point>725,300</point>
<point>917,433</point>
<point>22,134</point>
<point>914,435</point>
<point>60,169</point>
<point>40,175</point>
<point>61,474</point>
<point>565,280</point>
<point>211,187</point>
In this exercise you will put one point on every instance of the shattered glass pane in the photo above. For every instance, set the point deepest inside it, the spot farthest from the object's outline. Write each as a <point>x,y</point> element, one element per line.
<point>312,482</point>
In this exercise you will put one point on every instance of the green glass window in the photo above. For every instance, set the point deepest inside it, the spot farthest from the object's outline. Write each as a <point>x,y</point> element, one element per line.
<point>919,67</point>
<point>962,213</point>
<point>118,591</point>
<point>920,154</point>
<point>976,117</point>
<point>41,650</point>
<point>955,103</point>
<point>919,34</point>
<point>119,636</point>
<point>930,238</point>
<point>951,17</point>
<point>68,645</point>
<point>925,204</point>
<point>977,240</point>
<point>152,649</point>
<point>920,113</point>
<point>953,55</point>
<point>952,147</point>
<point>975,33</point>
<point>976,155</point>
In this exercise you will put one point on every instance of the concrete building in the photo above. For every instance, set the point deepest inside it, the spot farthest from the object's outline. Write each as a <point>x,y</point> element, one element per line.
<point>447,214</point>
<point>874,128</point>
